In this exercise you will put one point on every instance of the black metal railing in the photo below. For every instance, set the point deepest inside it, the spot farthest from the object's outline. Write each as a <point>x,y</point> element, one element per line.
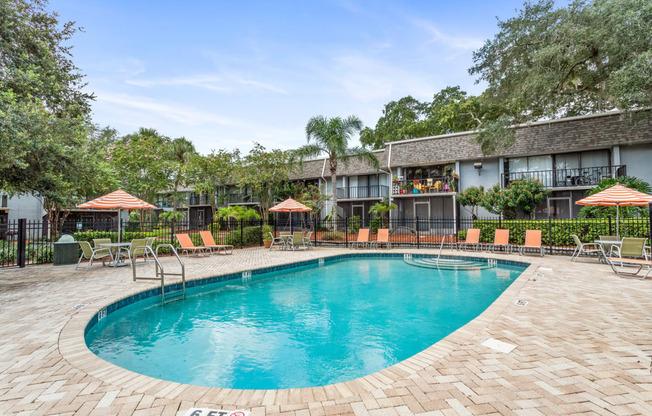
<point>425,186</point>
<point>199,200</point>
<point>241,199</point>
<point>359,192</point>
<point>25,242</point>
<point>568,177</point>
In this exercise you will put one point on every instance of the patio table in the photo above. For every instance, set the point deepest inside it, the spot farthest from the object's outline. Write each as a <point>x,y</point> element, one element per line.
<point>116,249</point>
<point>286,240</point>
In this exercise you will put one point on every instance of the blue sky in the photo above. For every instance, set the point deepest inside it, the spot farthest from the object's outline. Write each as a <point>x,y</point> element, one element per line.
<point>226,74</point>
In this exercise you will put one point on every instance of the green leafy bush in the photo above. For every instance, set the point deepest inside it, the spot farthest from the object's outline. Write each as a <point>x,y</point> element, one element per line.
<point>561,229</point>
<point>251,236</point>
<point>375,224</point>
<point>333,235</point>
<point>354,224</point>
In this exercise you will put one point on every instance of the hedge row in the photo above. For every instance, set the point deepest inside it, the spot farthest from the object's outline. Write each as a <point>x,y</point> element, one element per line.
<point>560,230</point>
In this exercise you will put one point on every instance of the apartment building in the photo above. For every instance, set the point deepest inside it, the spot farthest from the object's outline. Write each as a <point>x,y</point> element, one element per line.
<point>423,176</point>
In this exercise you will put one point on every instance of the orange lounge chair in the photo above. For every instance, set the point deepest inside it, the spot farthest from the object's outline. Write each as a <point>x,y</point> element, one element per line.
<point>363,238</point>
<point>383,238</point>
<point>209,243</point>
<point>532,242</point>
<point>187,246</point>
<point>472,239</point>
<point>501,239</point>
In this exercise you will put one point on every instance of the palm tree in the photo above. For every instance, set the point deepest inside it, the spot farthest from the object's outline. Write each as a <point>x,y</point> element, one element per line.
<point>331,136</point>
<point>382,208</point>
<point>181,152</point>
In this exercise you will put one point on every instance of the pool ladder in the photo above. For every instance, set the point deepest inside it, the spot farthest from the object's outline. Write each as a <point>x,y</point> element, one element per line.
<point>441,246</point>
<point>160,273</point>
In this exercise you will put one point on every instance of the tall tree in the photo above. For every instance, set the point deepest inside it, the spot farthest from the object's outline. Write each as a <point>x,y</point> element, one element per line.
<point>264,172</point>
<point>548,62</point>
<point>400,121</point>
<point>331,137</point>
<point>213,172</point>
<point>181,152</point>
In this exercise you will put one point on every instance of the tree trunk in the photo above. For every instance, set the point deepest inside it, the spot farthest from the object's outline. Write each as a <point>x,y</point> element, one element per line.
<point>334,189</point>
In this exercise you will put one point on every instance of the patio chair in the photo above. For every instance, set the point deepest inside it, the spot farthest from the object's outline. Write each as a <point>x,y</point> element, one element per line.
<point>188,247</point>
<point>631,247</point>
<point>532,242</point>
<point>137,249</point>
<point>306,240</point>
<point>149,242</point>
<point>608,246</point>
<point>501,239</point>
<point>209,243</point>
<point>618,265</point>
<point>91,254</point>
<point>363,238</point>
<point>276,240</point>
<point>297,241</point>
<point>584,248</point>
<point>383,238</point>
<point>98,241</point>
<point>472,239</point>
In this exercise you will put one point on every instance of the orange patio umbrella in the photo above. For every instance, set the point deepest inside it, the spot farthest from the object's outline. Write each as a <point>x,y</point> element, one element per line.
<point>290,205</point>
<point>117,200</point>
<point>617,196</point>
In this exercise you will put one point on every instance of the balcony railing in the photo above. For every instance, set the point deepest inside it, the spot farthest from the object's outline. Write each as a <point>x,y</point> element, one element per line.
<point>570,177</point>
<point>241,199</point>
<point>169,202</point>
<point>359,192</point>
<point>441,184</point>
<point>199,200</point>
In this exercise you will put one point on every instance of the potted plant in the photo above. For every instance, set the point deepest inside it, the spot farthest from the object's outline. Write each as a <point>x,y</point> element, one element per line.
<point>268,232</point>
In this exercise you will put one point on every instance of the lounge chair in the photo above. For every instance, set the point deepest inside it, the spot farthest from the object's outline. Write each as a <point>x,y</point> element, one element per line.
<point>363,238</point>
<point>618,266</point>
<point>532,242</point>
<point>501,239</point>
<point>584,248</point>
<point>297,241</point>
<point>188,247</point>
<point>383,238</point>
<point>631,247</point>
<point>209,243</point>
<point>92,254</point>
<point>472,239</point>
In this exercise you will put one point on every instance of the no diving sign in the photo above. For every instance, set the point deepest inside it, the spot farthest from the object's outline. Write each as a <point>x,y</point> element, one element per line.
<point>214,412</point>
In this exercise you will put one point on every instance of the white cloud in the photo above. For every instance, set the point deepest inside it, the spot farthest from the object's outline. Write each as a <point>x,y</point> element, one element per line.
<point>463,43</point>
<point>180,114</point>
<point>225,82</point>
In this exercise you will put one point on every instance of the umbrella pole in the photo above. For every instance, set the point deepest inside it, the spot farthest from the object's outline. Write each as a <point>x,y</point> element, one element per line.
<point>291,224</point>
<point>618,221</point>
<point>119,226</point>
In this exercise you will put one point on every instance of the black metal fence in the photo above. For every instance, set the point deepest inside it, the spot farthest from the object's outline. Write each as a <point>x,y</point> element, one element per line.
<point>25,242</point>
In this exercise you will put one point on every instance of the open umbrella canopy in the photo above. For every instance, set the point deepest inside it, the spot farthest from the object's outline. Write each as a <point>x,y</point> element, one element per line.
<point>118,199</point>
<point>290,205</point>
<point>617,195</point>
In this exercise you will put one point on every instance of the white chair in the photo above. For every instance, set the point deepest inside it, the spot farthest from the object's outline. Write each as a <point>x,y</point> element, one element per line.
<point>584,248</point>
<point>92,254</point>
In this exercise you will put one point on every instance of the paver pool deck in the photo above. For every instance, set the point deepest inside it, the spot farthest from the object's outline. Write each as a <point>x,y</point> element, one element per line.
<point>583,346</point>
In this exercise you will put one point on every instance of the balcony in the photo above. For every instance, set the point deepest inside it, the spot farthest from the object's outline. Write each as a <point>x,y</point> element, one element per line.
<point>199,200</point>
<point>235,199</point>
<point>362,192</point>
<point>436,185</point>
<point>571,177</point>
<point>168,202</point>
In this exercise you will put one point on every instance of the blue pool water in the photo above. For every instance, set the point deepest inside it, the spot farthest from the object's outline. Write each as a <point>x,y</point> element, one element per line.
<point>303,327</point>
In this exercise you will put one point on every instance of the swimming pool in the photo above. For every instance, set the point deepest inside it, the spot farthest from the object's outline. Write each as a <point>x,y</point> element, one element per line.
<point>306,326</point>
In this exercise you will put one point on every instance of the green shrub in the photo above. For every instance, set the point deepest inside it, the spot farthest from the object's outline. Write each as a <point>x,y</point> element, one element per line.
<point>375,224</point>
<point>354,224</point>
<point>333,235</point>
<point>8,255</point>
<point>561,229</point>
<point>461,235</point>
<point>251,236</point>
<point>267,230</point>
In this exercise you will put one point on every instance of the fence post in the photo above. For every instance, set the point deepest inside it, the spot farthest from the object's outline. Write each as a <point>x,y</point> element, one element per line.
<point>549,234</point>
<point>346,230</point>
<point>241,233</point>
<point>418,238</point>
<point>610,233</point>
<point>650,208</point>
<point>172,231</point>
<point>22,241</point>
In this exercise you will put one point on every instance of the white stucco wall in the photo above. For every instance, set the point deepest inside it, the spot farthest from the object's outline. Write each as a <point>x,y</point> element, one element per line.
<point>638,160</point>
<point>26,206</point>
<point>488,176</point>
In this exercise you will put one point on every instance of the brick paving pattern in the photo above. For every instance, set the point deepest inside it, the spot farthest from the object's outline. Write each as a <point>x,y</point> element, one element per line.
<point>583,346</point>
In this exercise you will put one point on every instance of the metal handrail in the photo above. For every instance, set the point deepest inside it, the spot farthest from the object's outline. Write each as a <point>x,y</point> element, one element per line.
<point>160,272</point>
<point>441,246</point>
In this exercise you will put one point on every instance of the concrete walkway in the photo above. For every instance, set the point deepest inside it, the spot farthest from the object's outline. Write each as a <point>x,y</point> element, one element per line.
<point>583,345</point>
